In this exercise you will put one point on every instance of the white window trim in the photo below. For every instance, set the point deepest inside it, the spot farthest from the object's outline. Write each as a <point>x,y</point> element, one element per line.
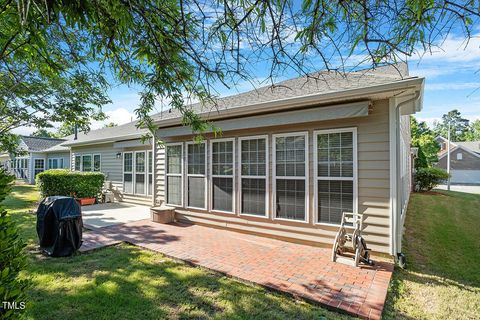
<point>130,172</point>
<point>81,165</point>
<point>315,171</point>
<point>166,175</point>
<point>205,176</point>
<point>74,163</point>
<point>35,168</point>
<point>267,184</point>
<point>211,176</point>
<point>274,176</point>
<point>92,155</point>
<point>58,162</point>
<point>134,167</point>
<point>459,156</point>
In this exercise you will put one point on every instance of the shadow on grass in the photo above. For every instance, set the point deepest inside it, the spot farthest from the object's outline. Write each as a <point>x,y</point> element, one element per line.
<point>126,282</point>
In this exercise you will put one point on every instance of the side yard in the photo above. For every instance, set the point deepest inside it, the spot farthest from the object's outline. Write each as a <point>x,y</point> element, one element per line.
<point>442,245</point>
<point>124,282</point>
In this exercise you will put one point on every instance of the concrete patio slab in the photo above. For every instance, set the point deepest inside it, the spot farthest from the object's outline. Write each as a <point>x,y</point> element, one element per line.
<point>108,214</point>
<point>300,270</point>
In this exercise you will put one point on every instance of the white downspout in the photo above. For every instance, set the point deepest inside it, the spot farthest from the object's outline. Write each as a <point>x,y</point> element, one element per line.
<point>394,116</point>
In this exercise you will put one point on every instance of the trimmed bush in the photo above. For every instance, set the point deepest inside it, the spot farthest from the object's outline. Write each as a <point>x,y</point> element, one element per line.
<point>13,258</point>
<point>428,178</point>
<point>60,182</point>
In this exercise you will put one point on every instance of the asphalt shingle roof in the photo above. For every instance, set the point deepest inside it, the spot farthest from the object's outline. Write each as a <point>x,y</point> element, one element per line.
<point>321,82</point>
<point>40,144</point>
<point>470,145</point>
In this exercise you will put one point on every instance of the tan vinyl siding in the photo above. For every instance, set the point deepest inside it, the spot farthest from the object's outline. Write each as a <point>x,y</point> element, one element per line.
<point>373,183</point>
<point>159,171</point>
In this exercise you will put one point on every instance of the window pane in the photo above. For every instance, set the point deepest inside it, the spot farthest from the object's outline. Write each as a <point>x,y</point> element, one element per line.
<point>334,198</point>
<point>96,162</point>
<point>253,196</point>
<point>87,163</point>
<point>174,159</point>
<point>150,162</point>
<point>335,154</point>
<point>127,162</point>
<point>222,158</point>
<point>290,156</point>
<point>290,199</point>
<point>253,157</point>
<point>77,163</point>
<point>127,183</point>
<point>196,192</point>
<point>174,190</point>
<point>140,162</point>
<point>140,183</point>
<point>222,194</point>
<point>196,158</point>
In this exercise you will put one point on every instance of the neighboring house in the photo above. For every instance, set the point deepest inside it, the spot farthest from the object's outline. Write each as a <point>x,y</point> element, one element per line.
<point>464,161</point>
<point>36,155</point>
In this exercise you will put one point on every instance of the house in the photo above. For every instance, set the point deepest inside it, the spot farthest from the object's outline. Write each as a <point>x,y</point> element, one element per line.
<point>291,158</point>
<point>464,160</point>
<point>35,155</point>
<point>121,155</point>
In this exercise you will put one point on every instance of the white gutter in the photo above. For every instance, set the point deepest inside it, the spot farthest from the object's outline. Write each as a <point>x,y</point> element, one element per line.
<point>394,118</point>
<point>105,140</point>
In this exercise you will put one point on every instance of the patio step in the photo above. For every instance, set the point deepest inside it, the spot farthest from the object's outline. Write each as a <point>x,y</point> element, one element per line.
<point>147,201</point>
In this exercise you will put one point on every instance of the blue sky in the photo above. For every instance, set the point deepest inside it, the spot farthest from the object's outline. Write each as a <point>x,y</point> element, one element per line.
<point>452,73</point>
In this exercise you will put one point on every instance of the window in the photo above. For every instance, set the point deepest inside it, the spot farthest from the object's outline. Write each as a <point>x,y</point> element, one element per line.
<point>128,172</point>
<point>253,175</point>
<point>336,163</point>
<point>150,173</point>
<point>459,156</point>
<point>78,165</point>
<point>39,166</point>
<point>55,163</point>
<point>290,182</point>
<point>222,162</point>
<point>196,175</point>
<point>86,162</point>
<point>140,172</point>
<point>96,162</point>
<point>174,171</point>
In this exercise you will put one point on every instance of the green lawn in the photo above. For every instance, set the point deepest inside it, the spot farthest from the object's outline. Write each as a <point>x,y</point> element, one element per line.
<point>124,282</point>
<point>442,245</point>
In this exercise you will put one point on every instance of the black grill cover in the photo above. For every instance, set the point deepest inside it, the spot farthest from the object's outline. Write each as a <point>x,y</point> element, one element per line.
<point>59,226</point>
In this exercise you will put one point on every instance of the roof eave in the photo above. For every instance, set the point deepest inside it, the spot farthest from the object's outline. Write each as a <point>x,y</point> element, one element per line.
<point>417,84</point>
<point>105,140</point>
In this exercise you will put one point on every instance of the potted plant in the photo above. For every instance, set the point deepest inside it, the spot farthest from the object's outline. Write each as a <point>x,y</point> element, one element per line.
<point>84,201</point>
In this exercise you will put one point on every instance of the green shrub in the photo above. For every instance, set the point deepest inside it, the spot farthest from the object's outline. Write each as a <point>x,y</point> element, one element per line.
<point>12,257</point>
<point>428,178</point>
<point>60,182</point>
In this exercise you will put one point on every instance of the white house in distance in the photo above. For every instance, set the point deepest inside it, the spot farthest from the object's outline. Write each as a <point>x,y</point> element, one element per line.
<point>464,161</point>
<point>36,155</point>
<point>290,160</point>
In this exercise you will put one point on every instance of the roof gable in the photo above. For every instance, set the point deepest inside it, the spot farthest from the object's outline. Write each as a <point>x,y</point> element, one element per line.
<point>30,144</point>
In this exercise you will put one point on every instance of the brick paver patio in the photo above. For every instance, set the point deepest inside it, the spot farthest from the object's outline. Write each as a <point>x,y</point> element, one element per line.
<point>300,270</point>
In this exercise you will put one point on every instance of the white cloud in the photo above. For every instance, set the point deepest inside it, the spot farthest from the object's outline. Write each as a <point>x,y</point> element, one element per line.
<point>453,49</point>
<point>452,86</point>
<point>118,116</point>
<point>24,131</point>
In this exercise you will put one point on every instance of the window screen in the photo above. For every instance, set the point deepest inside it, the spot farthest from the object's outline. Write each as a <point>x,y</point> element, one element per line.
<point>222,175</point>
<point>174,174</point>
<point>253,158</point>
<point>290,171</point>
<point>335,175</point>
<point>196,175</point>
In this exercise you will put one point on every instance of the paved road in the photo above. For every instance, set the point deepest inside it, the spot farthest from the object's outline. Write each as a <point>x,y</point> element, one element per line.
<point>466,189</point>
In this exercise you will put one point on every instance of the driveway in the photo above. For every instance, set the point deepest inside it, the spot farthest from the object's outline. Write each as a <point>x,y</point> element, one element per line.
<point>460,188</point>
<point>108,214</point>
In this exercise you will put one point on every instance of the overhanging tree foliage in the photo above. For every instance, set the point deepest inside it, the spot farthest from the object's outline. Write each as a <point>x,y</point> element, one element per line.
<point>424,139</point>
<point>54,54</point>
